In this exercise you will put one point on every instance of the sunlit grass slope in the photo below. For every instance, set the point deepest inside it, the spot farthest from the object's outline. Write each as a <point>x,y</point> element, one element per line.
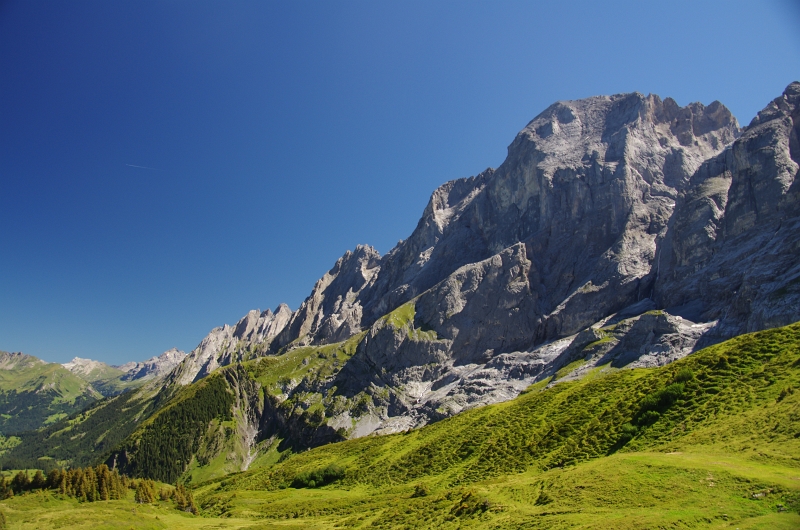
<point>711,441</point>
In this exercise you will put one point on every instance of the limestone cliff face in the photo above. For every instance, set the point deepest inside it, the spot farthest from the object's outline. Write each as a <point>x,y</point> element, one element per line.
<point>587,188</point>
<point>249,338</point>
<point>732,250</point>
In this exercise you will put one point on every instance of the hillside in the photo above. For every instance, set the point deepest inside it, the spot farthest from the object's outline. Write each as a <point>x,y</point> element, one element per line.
<point>711,440</point>
<point>715,433</point>
<point>34,393</point>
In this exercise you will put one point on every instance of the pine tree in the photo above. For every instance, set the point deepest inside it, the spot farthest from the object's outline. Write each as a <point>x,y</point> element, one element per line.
<point>5,488</point>
<point>20,482</point>
<point>180,497</point>
<point>53,478</point>
<point>103,482</point>
<point>91,484</point>
<point>144,492</point>
<point>38,482</point>
<point>63,484</point>
<point>184,500</point>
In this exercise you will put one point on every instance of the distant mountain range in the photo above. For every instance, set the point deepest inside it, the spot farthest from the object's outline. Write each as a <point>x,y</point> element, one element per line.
<point>34,393</point>
<point>620,232</point>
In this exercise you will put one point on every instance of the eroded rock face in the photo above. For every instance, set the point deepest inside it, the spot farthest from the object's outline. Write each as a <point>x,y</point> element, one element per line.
<point>249,338</point>
<point>153,367</point>
<point>588,186</point>
<point>731,252</point>
<point>334,310</point>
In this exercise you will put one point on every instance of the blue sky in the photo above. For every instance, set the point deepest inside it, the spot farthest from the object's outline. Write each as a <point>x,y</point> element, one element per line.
<point>167,166</point>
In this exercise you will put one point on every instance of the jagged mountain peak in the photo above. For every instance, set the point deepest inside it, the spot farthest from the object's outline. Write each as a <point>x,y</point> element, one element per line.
<point>783,105</point>
<point>85,367</point>
<point>153,367</point>
<point>614,231</point>
<point>250,337</point>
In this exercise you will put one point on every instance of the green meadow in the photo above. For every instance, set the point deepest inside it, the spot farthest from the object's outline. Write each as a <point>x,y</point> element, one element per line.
<point>711,441</point>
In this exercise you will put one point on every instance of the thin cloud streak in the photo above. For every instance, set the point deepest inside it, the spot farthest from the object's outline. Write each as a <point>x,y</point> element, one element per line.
<point>144,167</point>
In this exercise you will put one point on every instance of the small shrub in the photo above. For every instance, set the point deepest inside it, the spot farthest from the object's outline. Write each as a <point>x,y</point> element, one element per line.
<point>649,417</point>
<point>318,477</point>
<point>788,391</point>
<point>421,490</point>
<point>628,432</point>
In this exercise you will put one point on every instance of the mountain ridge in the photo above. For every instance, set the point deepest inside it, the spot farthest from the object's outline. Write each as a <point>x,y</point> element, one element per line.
<point>618,233</point>
<point>584,220</point>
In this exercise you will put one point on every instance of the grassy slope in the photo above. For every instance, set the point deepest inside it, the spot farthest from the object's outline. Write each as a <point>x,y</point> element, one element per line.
<point>87,437</point>
<point>34,393</point>
<point>307,367</point>
<point>725,453</point>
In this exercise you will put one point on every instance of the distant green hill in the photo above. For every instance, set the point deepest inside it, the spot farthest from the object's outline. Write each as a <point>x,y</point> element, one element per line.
<point>34,393</point>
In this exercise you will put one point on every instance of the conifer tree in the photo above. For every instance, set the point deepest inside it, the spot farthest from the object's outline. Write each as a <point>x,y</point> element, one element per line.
<point>21,482</point>
<point>184,500</point>
<point>91,484</point>
<point>38,482</point>
<point>5,488</point>
<point>53,478</point>
<point>63,485</point>
<point>145,493</point>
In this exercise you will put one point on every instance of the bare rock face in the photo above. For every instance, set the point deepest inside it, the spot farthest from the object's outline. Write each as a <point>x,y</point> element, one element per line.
<point>587,186</point>
<point>333,312</point>
<point>153,367</point>
<point>731,252</point>
<point>249,338</point>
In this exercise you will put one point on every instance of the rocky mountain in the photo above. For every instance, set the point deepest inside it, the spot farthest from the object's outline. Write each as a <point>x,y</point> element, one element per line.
<point>153,367</point>
<point>91,370</point>
<point>249,338</point>
<point>620,232</point>
<point>620,229</point>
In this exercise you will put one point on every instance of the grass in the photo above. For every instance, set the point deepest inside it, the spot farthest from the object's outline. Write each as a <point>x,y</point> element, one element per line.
<point>280,373</point>
<point>48,510</point>
<point>568,369</point>
<point>403,318</point>
<point>710,441</point>
<point>726,451</point>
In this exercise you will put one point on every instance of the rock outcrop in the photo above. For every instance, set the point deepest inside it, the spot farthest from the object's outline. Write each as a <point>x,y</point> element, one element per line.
<point>249,338</point>
<point>153,367</point>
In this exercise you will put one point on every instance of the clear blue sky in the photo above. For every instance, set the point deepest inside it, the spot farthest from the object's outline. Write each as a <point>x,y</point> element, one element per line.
<point>167,166</point>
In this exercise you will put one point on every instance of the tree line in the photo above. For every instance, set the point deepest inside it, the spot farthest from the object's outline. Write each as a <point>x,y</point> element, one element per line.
<point>95,484</point>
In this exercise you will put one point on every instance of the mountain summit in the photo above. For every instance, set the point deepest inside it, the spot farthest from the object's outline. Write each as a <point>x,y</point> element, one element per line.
<point>620,229</point>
